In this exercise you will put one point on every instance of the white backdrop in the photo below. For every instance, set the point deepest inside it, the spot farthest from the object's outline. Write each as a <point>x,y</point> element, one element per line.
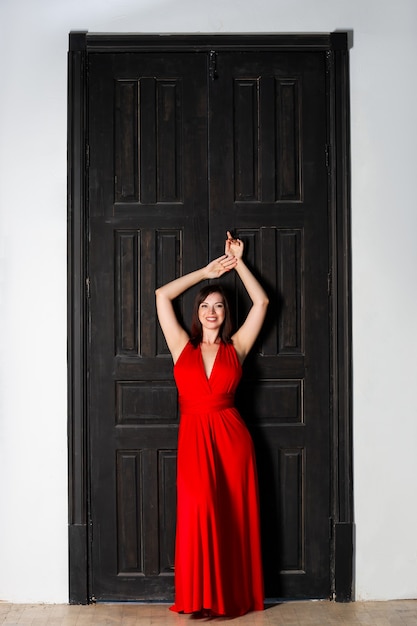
<point>33,413</point>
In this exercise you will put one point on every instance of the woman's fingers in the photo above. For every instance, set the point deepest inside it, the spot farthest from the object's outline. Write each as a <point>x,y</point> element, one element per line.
<point>226,262</point>
<point>219,266</point>
<point>229,262</point>
<point>231,241</point>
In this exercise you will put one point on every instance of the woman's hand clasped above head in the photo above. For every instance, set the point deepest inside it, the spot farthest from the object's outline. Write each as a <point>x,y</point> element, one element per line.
<point>233,246</point>
<point>220,266</point>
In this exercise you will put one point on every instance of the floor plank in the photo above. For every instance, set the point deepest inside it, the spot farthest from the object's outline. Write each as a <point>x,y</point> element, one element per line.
<point>398,612</point>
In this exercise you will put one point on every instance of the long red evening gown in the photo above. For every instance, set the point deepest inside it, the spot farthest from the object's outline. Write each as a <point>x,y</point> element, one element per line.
<point>218,563</point>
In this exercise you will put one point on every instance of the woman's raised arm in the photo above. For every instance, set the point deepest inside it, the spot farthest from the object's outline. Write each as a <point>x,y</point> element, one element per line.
<point>245,337</point>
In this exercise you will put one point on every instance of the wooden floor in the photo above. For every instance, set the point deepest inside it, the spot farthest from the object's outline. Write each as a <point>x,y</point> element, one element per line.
<point>399,612</point>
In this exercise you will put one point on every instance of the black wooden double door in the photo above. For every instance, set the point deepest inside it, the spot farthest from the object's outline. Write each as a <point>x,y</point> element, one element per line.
<point>182,147</point>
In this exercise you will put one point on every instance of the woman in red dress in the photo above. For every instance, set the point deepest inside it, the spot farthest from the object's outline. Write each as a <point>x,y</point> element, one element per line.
<point>218,567</point>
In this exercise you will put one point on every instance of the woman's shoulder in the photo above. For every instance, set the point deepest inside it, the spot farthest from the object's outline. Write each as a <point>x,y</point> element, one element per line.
<point>188,346</point>
<point>234,350</point>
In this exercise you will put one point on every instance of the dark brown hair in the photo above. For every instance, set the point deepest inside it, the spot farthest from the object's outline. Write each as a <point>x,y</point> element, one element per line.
<point>196,328</point>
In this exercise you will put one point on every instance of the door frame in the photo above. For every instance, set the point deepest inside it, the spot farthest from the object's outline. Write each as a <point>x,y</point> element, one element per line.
<point>336,47</point>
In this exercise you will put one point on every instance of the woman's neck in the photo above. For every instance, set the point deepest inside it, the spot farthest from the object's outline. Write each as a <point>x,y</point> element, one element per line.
<point>210,339</point>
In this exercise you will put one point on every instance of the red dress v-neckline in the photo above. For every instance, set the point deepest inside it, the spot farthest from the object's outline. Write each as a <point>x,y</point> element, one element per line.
<point>214,362</point>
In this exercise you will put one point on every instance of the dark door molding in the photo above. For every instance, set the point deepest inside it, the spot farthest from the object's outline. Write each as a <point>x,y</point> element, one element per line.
<point>336,48</point>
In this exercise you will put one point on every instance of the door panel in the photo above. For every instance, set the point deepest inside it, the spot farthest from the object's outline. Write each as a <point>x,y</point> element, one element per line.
<point>176,159</point>
<point>269,185</point>
<point>148,224</point>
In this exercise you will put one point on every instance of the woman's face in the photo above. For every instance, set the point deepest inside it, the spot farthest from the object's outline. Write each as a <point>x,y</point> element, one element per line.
<point>211,311</point>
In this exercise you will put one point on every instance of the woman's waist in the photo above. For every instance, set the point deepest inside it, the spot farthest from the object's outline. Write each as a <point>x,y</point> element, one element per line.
<point>206,403</point>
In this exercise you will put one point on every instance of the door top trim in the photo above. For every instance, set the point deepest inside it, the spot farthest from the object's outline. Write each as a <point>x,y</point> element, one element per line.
<point>131,42</point>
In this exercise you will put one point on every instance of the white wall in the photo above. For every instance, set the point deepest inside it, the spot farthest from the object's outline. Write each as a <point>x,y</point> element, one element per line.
<point>33,475</point>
